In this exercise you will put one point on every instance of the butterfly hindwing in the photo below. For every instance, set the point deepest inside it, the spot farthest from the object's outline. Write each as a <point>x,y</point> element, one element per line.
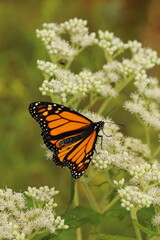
<point>79,158</point>
<point>70,135</point>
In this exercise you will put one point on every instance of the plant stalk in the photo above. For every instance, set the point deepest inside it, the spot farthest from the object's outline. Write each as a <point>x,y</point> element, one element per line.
<point>76,203</point>
<point>134,217</point>
<point>90,197</point>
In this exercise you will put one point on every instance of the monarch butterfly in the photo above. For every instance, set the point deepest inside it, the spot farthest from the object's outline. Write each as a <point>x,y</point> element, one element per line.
<point>70,135</point>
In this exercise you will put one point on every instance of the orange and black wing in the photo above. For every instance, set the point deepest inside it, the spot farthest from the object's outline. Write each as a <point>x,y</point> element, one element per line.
<point>78,155</point>
<point>59,124</point>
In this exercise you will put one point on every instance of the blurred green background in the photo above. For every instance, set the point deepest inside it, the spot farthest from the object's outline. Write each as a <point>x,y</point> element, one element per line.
<point>22,159</point>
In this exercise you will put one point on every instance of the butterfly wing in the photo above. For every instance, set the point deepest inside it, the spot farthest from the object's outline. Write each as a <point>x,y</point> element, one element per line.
<point>59,123</point>
<point>78,155</point>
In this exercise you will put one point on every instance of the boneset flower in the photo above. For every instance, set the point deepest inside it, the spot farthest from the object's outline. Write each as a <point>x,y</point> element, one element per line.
<point>110,43</point>
<point>117,152</point>
<point>19,222</point>
<point>132,197</point>
<point>156,220</point>
<point>43,195</point>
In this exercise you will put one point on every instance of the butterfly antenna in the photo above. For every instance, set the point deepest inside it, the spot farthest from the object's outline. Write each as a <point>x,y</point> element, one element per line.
<point>106,134</point>
<point>120,124</point>
<point>110,110</point>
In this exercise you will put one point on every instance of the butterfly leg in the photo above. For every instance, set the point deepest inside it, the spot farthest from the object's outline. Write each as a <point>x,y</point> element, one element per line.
<point>106,134</point>
<point>101,140</point>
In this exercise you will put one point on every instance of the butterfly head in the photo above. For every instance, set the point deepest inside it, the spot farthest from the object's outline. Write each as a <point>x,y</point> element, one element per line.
<point>100,125</point>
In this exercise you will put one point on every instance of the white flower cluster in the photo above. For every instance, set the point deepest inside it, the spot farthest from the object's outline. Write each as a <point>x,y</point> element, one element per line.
<point>134,46</point>
<point>39,218</point>
<point>9,230</point>
<point>66,84</point>
<point>43,196</point>
<point>148,111</point>
<point>112,66</point>
<point>75,26</point>
<point>135,147</point>
<point>110,151</point>
<point>129,68</point>
<point>146,172</point>
<point>119,183</point>
<point>145,102</point>
<point>78,31</point>
<point>18,222</point>
<point>105,82</point>
<point>156,220</point>
<point>48,68</point>
<point>155,193</point>
<point>148,86</point>
<point>116,149</point>
<point>10,201</point>
<point>146,57</point>
<point>53,28</point>
<point>58,48</point>
<point>110,44</point>
<point>132,197</point>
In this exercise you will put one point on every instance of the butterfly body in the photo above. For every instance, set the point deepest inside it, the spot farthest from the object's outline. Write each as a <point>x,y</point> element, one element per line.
<point>68,134</point>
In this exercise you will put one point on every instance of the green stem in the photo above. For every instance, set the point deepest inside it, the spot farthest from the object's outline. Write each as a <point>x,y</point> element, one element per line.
<point>89,196</point>
<point>91,176</point>
<point>120,86</point>
<point>73,101</point>
<point>118,53</point>
<point>55,98</point>
<point>36,233</point>
<point>76,203</point>
<point>110,204</point>
<point>134,217</point>
<point>156,152</point>
<point>146,130</point>
<point>147,135</point>
<point>70,62</point>
<point>108,57</point>
<point>104,105</point>
<point>92,101</point>
<point>140,120</point>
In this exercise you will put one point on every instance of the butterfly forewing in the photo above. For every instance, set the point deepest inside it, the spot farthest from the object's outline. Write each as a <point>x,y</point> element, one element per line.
<point>70,135</point>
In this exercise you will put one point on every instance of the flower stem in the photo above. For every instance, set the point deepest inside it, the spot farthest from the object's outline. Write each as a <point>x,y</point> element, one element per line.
<point>156,152</point>
<point>147,135</point>
<point>90,197</point>
<point>120,86</point>
<point>134,217</point>
<point>104,105</point>
<point>76,203</point>
<point>111,204</point>
<point>92,101</point>
<point>37,232</point>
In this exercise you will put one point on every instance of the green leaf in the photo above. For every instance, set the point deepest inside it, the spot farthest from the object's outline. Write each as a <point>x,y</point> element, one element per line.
<point>44,236</point>
<point>80,215</point>
<point>69,234</point>
<point>146,230</point>
<point>100,184</point>
<point>48,237</point>
<point>111,237</point>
